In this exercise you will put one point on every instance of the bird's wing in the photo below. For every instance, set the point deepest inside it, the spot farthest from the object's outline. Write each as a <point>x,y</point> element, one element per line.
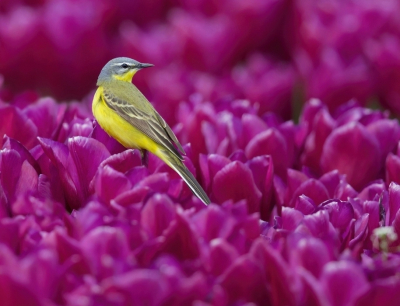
<point>148,122</point>
<point>169,132</point>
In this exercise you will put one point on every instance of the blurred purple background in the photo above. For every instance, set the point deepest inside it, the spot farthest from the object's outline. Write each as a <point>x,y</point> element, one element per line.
<point>271,52</point>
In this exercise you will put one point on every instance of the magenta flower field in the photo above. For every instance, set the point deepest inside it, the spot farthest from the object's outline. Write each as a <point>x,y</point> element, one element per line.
<point>287,110</point>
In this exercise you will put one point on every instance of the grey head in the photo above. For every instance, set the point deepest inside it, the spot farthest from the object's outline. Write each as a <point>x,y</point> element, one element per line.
<point>122,68</point>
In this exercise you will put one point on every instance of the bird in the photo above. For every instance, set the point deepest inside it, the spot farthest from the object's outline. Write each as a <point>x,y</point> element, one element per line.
<point>125,114</point>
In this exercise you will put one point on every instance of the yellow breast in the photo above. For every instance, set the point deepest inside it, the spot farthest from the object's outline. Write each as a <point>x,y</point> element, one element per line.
<point>118,128</point>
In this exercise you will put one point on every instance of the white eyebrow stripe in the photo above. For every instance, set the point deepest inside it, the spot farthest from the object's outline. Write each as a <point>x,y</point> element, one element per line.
<point>118,64</point>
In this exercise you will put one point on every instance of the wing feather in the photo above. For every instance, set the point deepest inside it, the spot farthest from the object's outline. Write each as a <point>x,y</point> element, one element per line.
<point>149,123</point>
<point>169,132</point>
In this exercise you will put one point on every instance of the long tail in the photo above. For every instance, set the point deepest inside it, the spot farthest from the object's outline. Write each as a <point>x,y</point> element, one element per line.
<point>175,163</point>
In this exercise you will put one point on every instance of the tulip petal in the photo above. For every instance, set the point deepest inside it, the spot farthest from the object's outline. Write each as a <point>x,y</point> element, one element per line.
<point>46,114</point>
<point>263,174</point>
<point>87,154</point>
<point>12,144</point>
<point>312,254</point>
<point>213,223</point>
<point>159,182</point>
<point>252,287</point>
<point>392,168</point>
<point>123,161</point>
<point>235,182</point>
<point>157,214</point>
<point>11,165</point>
<point>331,181</point>
<point>343,282</point>
<point>270,142</point>
<point>340,213</point>
<point>222,255</point>
<point>313,189</point>
<point>16,125</point>
<point>291,218</point>
<point>345,150</point>
<point>58,154</point>
<point>133,196</point>
<point>252,126</point>
<point>109,183</point>
<point>305,205</point>
<point>28,181</point>
<point>283,286</point>
<point>181,240</point>
<point>322,126</point>
<point>106,249</point>
<point>394,203</point>
<point>387,132</point>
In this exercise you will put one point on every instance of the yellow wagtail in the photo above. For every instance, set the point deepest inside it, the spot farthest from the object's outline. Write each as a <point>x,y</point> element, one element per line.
<point>126,115</point>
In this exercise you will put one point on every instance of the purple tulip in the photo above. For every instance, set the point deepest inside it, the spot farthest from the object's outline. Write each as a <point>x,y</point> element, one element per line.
<point>224,133</point>
<point>235,180</point>
<point>334,80</point>
<point>268,85</point>
<point>73,166</point>
<point>332,143</point>
<point>338,64</point>
<point>320,125</point>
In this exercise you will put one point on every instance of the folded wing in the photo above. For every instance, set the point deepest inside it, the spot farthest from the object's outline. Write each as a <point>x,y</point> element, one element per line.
<point>148,121</point>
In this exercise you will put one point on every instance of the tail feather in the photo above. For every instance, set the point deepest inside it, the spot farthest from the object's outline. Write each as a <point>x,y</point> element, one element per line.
<point>186,175</point>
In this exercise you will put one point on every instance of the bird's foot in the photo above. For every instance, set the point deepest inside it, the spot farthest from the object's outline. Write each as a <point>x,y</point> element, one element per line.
<point>145,157</point>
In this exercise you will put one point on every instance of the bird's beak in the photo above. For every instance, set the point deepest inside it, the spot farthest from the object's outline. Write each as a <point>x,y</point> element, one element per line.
<point>143,65</point>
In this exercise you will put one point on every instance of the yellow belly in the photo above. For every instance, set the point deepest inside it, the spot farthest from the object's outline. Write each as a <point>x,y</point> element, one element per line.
<point>119,128</point>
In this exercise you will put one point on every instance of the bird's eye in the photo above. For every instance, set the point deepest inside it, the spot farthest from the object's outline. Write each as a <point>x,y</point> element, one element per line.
<point>124,65</point>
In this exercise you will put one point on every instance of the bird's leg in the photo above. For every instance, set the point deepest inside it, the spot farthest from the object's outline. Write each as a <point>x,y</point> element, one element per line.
<point>145,157</point>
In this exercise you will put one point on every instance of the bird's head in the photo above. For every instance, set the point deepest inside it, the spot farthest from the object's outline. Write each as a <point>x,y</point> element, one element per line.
<point>120,68</point>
